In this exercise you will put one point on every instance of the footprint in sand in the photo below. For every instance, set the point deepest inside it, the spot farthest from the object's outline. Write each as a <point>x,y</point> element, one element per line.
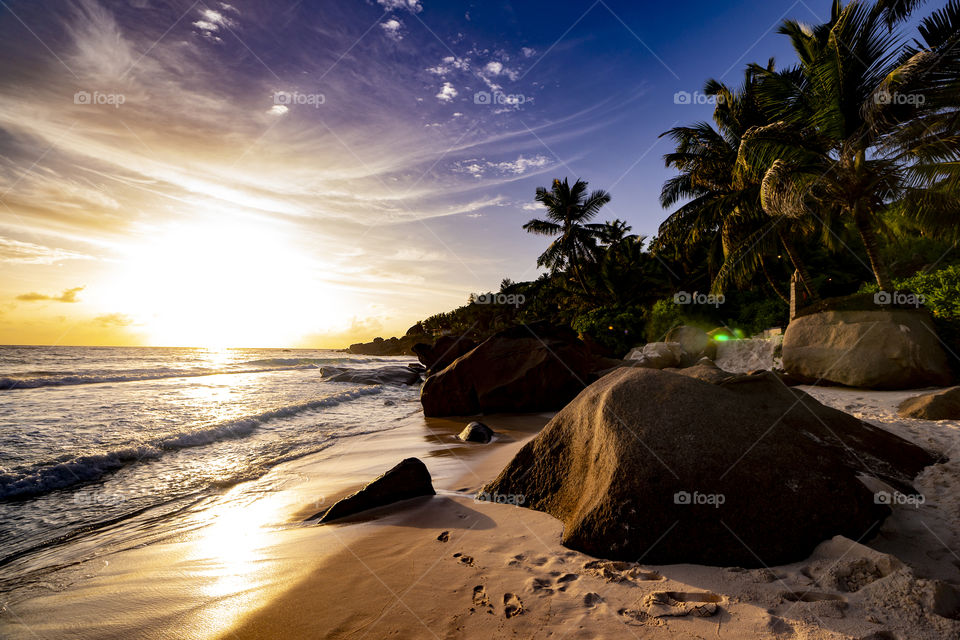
<point>443,537</point>
<point>615,571</point>
<point>592,599</point>
<point>548,586</point>
<point>512,606</point>
<point>664,604</point>
<point>467,560</point>
<point>480,598</point>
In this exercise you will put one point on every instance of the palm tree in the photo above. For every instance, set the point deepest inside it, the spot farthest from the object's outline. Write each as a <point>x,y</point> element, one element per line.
<point>723,208</point>
<point>568,215</point>
<point>614,231</point>
<point>860,132</point>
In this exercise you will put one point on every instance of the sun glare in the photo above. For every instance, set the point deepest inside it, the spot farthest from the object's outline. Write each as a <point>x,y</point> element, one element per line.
<point>223,286</point>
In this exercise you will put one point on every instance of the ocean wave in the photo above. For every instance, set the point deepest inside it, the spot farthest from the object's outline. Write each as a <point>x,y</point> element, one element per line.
<point>9,384</point>
<point>89,468</point>
<point>288,362</point>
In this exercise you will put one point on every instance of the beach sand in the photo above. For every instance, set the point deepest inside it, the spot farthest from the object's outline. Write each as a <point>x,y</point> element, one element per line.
<point>451,567</point>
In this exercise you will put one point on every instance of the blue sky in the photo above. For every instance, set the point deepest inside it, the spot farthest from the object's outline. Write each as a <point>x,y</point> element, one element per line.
<point>178,160</point>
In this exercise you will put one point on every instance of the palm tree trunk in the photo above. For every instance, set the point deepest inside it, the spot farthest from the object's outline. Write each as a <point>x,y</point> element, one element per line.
<point>575,263</point>
<point>798,265</point>
<point>772,282</point>
<point>869,237</point>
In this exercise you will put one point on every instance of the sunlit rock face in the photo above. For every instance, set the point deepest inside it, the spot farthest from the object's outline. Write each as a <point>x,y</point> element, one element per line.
<point>888,349</point>
<point>747,472</point>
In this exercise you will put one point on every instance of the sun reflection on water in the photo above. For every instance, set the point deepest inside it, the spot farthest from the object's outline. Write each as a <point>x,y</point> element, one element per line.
<point>232,559</point>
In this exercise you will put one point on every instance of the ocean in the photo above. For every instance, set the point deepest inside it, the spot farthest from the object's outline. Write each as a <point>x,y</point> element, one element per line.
<point>99,446</point>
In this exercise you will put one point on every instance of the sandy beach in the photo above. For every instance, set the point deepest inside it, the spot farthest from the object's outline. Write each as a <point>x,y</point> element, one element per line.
<point>502,573</point>
<point>449,566</point>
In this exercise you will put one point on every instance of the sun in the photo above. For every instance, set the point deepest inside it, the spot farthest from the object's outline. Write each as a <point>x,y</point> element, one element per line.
<point>225,285</point>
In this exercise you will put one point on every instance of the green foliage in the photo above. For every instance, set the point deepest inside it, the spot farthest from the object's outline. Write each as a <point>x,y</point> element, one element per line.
<point>753,317</point>
<point>664,315</point>
<point>940,289</point>
<point>616,329</point>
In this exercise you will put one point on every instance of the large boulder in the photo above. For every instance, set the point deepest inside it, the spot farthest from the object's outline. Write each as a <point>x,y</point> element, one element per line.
<point>658,355</point>
<point>391,374</point>
<point>883,349</point>
<point>939,405</point>
<point>409,479</point>
<point>443,352</point>
<point>525,368</point>
<point>654,465</point>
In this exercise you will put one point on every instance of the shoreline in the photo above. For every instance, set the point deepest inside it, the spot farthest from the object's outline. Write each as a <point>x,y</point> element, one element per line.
<point>235,551</point>
<point>252,569</point>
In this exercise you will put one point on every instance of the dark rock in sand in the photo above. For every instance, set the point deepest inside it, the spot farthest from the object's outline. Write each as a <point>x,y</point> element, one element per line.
<point>654,465</point>
<point>526,368</point>
<point>393,375</point>
<point>409,479</point>
<point>476,432</point>
<point>888,349</point>
<point>443,352</point>
<point>940,405</point>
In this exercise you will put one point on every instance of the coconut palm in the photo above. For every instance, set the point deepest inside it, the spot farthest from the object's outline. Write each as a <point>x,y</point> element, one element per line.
<point>863,127</point>
<point>569,210</point>
<point>723,210</point>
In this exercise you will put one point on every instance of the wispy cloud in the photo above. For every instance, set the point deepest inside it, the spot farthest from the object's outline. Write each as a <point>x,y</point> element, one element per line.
<point>30,253</point>
<point>69,295</point>
<point>413,6</point>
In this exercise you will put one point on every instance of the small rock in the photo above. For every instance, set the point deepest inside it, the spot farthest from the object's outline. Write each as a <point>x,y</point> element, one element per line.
<point>476,432</point>
<point>409,479</point>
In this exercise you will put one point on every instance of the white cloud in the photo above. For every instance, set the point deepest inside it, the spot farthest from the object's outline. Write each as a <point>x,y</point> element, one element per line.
<point>278,110</point>
<point>30,253</point>
<point>447,93</point>
<point>392,28</point>
<point>413,6</point>
<point>494,69</point>
<point>528,52</point>
<point>460,64</point>
<point>479,168</point>
<point>439,70</point>
<point>532,206</point>
<point>210,22</point>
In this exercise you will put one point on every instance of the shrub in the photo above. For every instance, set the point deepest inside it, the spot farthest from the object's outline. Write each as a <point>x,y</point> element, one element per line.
<point>615,328</point>
<point>664,315</point>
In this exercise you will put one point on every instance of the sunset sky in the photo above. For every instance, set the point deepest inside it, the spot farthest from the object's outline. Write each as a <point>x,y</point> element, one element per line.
<point>301,173</point>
